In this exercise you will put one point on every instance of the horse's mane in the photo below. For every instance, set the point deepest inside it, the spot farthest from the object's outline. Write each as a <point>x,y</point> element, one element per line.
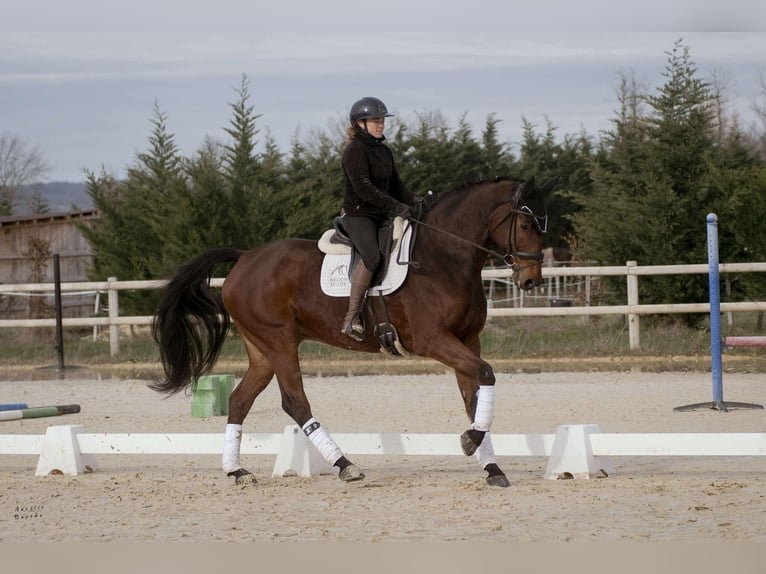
<point>460,188</point>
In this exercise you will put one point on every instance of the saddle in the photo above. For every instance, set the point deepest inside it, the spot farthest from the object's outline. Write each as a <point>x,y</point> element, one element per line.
<point>340,257</point>
<point>336,241</point>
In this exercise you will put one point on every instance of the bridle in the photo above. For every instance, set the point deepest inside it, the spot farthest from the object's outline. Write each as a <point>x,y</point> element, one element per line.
<point>540,222</point>
<point>511,256</point>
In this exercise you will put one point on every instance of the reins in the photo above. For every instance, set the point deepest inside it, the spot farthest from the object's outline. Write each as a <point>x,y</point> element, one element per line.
<point>462,239</point>
<point>508,258</point>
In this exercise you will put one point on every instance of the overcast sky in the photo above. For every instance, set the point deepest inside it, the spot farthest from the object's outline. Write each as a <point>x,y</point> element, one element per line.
<point>80,82</point>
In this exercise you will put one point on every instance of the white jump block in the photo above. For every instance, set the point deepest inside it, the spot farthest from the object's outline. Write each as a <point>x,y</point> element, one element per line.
<point>297,454</point>
<point>60,452</point>
<point>572,455</point>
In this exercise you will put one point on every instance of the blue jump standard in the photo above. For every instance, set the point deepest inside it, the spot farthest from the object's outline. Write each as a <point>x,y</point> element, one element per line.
<point>715,328</point>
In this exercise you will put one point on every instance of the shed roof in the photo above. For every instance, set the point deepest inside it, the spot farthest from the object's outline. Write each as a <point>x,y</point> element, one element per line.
<point>37,218</point>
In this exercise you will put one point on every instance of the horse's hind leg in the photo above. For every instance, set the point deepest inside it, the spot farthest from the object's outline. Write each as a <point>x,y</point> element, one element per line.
<point>296,404</point>
<point>256,379</point>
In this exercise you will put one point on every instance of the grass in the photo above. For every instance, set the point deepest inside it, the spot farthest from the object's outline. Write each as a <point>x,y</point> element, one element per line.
<point>532,343</point>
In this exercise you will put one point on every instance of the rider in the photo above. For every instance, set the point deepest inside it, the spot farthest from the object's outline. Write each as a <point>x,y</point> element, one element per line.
<point>374,192</point>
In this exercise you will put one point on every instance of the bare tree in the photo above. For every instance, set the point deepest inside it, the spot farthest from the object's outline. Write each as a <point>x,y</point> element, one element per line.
<point>20,165</point>
<point>759,107</point>
<point>720,83</point>
<point>39,254</point>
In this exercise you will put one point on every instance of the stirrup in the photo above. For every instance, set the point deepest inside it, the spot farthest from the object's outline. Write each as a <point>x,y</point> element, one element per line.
<point>354,329</point>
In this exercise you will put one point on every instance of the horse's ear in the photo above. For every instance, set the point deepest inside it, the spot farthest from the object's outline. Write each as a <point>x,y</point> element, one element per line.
<point>549,185</point>
<point>527,186</point>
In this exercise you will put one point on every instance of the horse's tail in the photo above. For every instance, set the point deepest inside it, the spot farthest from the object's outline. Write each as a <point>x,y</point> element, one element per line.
<point>191,323</point>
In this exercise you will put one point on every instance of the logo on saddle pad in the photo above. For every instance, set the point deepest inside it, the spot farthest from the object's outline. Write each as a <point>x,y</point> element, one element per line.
<point>334,278</point>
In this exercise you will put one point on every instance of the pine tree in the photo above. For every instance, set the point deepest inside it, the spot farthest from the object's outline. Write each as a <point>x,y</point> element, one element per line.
<point>204,220</point>
<point>314,195</point>
<point>241,170</point>
<point>608,224</point>
<point>745,224</point>
<point>112,236</point>
<point>157,189</point>
<point>680,135</point>
<point>131,238</point>
<point>468,158</point>
<point>496,158</point>
<point>651,189</point>
<point>681,126</point>
<point>270,186</point>
<point>424,154</point>
<point>543,157</point>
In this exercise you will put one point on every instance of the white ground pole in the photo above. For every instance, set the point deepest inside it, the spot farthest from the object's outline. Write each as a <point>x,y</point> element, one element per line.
<point>576,451</point>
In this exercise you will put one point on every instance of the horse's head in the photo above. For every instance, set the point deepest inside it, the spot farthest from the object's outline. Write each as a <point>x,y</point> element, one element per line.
<point>520,231</point>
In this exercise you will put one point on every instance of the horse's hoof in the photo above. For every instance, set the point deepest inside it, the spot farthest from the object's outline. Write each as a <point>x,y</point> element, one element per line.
<point>246,480</point>
<point>498,480</point>
<point>243,477</point>
<point>351,473</point>
<point>470,441</point>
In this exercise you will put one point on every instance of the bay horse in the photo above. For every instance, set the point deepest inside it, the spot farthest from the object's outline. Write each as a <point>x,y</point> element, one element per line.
<point>273,296</point>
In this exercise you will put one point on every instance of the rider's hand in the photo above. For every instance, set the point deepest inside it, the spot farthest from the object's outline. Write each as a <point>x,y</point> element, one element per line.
<point>421,201</point>
<point>402,210</point>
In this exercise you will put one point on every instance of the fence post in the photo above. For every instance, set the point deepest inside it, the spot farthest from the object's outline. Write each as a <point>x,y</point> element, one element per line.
<point>59,310</point>
<point>633,325</point>
<point>114,312</point>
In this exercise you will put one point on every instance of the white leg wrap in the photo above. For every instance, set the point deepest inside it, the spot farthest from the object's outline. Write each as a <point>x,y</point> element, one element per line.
<point>322,441</point>
<point>231,441</point>
<point>485,454</point>
<point>485,406</point>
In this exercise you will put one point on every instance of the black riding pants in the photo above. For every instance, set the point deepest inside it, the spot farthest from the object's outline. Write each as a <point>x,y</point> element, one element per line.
<point>363,231</point>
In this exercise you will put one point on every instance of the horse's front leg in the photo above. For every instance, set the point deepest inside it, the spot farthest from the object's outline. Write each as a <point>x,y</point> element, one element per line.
<point>483,451</point>
<point>476,381</point>
<point>480,406</point>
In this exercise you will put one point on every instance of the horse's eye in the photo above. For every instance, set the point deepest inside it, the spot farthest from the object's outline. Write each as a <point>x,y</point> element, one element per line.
<point>525,226</point>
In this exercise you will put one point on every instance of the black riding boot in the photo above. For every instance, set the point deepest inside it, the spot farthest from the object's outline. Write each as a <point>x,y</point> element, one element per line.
<point>360,282</point>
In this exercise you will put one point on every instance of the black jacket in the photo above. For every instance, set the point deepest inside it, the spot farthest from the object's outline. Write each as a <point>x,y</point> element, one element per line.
<point>373,186</point>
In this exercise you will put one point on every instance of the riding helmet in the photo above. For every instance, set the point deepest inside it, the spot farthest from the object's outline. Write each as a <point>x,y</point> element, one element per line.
<point>367,109</point>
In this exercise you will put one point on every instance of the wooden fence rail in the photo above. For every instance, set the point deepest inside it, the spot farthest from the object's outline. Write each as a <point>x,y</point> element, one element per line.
<point>631,271</point>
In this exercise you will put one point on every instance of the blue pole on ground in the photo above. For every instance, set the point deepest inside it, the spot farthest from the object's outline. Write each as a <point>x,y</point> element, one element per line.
<point>13,406</point>
<point>715,306</point>
<point>37,412</point>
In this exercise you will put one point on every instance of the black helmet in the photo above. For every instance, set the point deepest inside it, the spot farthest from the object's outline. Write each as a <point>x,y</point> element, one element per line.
<point>367,109</point>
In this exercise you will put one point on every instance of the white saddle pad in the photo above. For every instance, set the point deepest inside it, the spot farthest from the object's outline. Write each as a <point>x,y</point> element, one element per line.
<point>334,276</point>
